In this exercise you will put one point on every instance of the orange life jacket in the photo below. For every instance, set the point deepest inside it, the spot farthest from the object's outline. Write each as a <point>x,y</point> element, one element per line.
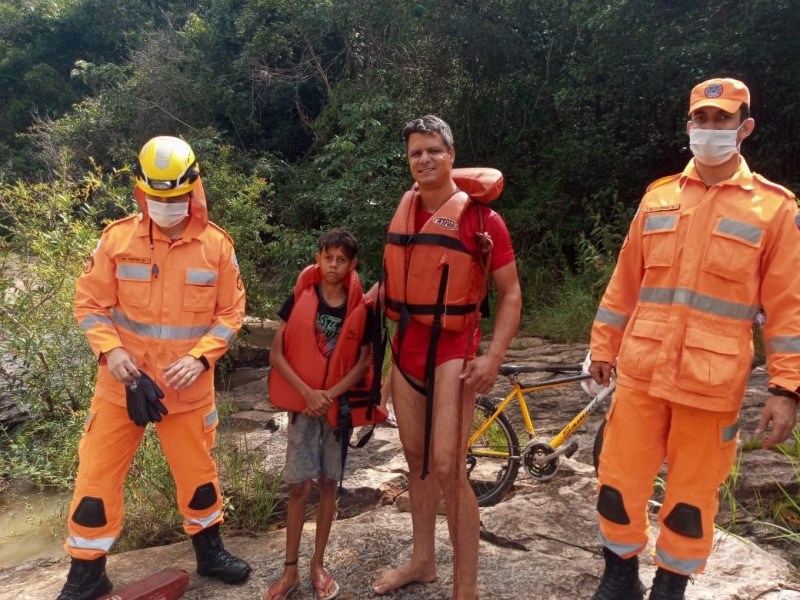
<point>432,267</point>
<point>300,346</point>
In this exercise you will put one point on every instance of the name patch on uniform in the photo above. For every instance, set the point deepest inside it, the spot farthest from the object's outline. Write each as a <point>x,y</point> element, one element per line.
<point>651,209</point>
<point>445,223</point>
<point>141,260</point>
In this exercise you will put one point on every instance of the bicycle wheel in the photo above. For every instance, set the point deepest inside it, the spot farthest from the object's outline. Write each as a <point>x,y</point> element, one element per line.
<point>493,460</point>
<point>598,446</point>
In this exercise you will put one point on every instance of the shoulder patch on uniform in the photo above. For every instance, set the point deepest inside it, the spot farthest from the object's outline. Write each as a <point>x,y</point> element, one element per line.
<point>662,181</point>
<point>774,186</point>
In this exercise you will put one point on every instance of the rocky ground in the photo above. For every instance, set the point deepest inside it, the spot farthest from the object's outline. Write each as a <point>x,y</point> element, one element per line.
<point>551,525</point>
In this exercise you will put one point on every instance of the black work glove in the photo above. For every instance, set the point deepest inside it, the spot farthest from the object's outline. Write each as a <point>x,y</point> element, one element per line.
<point>143,398</point>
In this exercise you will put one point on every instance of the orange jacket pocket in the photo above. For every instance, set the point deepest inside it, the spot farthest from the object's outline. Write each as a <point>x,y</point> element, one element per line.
<point>711,364</point>
<point>200,290</point>
<point>639,352</point>
<point>733,251</point>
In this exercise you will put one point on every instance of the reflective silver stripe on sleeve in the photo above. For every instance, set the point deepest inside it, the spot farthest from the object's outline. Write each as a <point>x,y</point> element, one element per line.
<point>206,521</point>
<point>746,231</point>
<point>161,332</point>
<point>93,320</point>
<point>200,277</point>
<point>658,222</point>
<point>729,432</point>
<point>788,344</point>
<point>83,543</point>
<point>221,331</point>
<point>609,317</point>
<point>685,566</point>
<point>697,301</point>
<point>139,272</point>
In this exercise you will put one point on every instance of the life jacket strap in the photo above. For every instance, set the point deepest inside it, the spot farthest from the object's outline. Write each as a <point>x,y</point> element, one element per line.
<point>430,368</point>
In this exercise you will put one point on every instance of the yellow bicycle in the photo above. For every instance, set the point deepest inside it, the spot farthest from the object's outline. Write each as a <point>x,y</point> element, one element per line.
<point>493,450</point>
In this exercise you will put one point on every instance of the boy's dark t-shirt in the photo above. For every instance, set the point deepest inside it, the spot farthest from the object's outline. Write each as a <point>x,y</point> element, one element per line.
<point>328,322</point>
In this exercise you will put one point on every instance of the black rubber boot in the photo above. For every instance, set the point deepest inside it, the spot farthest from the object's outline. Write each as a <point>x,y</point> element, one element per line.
<point>668,585</point>
<point>620,579</point>
<point>86,580</point>
<point>214,561</point>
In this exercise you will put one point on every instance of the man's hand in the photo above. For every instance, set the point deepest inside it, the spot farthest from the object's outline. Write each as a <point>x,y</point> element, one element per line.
<point>781,411</point>
<point>480,374</point>
<point>121,365</point>
<point>183,372</point>
<point>317,403</point>
<point>600,371</point>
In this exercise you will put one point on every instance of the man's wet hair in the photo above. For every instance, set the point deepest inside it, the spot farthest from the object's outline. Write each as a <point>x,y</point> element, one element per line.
<point>429,124</point>
<point>339,238</point>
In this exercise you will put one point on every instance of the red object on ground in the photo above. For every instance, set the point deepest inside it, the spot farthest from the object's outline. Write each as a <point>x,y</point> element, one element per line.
<point>168,584</point>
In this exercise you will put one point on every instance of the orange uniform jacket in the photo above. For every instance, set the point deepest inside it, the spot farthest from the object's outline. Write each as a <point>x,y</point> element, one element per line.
<point>161,301</point>
<point>696,266</point>
<point>300,345</point>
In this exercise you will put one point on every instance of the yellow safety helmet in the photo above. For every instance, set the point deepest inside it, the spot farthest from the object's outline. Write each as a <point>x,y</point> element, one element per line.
<point>166,167</point>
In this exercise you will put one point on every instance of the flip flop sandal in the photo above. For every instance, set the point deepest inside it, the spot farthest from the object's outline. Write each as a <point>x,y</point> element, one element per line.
<point>282,594</point>
<point>320,588</point>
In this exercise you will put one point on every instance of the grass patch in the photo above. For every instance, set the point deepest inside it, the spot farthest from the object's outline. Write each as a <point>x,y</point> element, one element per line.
<point>152,518</point>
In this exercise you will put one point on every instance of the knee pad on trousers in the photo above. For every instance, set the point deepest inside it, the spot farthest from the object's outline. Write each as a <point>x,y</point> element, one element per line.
<point>91,512</point>
<point>204,497</point>
<point>685,519</point>
<point>610,505</point>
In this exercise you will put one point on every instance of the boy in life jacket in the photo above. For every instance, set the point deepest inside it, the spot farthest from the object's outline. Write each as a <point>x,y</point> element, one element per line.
<point>442,238</point>
<point>321,350</point>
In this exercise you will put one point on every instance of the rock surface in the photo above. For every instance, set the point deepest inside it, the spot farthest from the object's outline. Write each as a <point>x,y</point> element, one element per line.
<point>554,521</point>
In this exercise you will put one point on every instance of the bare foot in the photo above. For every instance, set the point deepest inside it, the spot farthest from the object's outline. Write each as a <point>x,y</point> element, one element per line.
<point>403,575</point>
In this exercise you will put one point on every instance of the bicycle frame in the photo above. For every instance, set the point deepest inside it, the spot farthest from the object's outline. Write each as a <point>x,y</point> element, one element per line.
<point>494,453</point>
<point>519,390</point>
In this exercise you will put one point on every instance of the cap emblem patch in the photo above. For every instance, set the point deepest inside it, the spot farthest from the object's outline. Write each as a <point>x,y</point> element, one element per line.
<point>713,90</point>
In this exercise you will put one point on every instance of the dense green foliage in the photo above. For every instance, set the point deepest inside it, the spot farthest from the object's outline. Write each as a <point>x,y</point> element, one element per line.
<point>581,104</point>
<point>295,109</point>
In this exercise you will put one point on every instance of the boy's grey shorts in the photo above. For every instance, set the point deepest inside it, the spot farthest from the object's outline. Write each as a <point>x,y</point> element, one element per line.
<point>312,450</point>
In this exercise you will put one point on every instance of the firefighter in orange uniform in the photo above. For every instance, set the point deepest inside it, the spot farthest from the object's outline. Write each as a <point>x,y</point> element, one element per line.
<point>160,300</point>
<point>706,249</point>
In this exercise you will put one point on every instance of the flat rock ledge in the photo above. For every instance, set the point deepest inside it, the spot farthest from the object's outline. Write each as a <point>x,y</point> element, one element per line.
<point>554,522</point>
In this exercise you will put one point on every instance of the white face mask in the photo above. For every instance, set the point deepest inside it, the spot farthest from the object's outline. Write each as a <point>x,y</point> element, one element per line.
<point>713,147</point>
<point>166,214</point>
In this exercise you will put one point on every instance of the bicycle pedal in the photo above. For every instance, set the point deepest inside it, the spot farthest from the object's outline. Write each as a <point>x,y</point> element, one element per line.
<point>571,449</point>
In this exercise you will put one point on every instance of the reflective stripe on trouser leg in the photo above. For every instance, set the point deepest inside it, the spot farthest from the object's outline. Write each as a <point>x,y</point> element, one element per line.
<point>187,439</point>
<point>700,454</point>
<point>634,447</point>
<point>105,453</point>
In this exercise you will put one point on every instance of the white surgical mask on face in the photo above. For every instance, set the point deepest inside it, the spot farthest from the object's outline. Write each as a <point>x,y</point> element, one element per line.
<point>166,214</point>
<point>713,147</point>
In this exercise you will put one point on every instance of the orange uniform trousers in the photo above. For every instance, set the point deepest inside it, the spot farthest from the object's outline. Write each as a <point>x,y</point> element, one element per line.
<point>699,447</point>
<point>106,450</point>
